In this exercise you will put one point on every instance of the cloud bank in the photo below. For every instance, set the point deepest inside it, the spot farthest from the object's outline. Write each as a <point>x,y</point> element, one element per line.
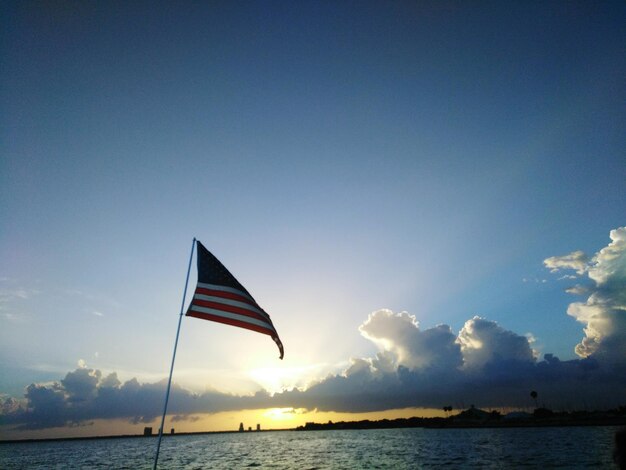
<point>484,364</point>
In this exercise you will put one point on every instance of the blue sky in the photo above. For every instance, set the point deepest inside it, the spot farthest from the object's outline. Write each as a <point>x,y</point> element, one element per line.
<point>338,158</point>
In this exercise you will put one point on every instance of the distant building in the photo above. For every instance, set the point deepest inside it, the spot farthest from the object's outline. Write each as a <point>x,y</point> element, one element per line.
<point>240,427</point>
<point>249,428</point>
<point>147,431</point>
<point>258,427</point>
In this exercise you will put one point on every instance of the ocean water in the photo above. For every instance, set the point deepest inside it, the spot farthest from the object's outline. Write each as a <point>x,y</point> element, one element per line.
<point>567,447</point>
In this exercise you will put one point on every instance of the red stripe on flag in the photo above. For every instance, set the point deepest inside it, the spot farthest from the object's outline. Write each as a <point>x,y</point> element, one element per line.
<point>225,295</point>
<point>231,321</point>
<point>228,308</point>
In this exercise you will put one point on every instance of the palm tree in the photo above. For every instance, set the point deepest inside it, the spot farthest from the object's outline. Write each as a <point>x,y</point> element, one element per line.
<point>534,395</point>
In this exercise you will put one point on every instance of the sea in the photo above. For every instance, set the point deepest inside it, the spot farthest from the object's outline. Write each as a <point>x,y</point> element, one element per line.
<point>414,448</point>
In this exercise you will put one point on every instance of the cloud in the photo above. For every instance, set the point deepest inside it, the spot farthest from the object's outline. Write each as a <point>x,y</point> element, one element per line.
<point>483,341</point>
<point>577,290</point>
<point>604,311</point>
<point>85,394</point>
<point>484,364</point>
<point>81,385</point>
<point>576,260</point>
<point>400,335</point>
<point>12,300</point>
<point>183,418</point>
<point>9,405</point>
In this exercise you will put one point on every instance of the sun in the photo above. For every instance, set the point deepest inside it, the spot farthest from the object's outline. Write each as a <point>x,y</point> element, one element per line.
<point>272,379</point>
<point>277,379</point>
<point>280,414</point>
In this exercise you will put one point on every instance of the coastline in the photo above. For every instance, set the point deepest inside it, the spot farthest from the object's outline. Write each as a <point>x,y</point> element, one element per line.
<point>453,422</point>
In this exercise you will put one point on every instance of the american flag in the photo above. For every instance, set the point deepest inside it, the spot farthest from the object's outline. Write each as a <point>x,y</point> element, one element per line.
<point>221,298</point>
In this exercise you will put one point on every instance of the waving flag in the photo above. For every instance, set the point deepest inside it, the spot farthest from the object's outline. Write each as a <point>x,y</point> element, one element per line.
<point>221,298</point>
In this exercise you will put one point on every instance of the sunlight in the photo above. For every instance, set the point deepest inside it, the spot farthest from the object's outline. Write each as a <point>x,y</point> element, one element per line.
<point>277,379</point>
<point>282,414</point>
<point>272,379</point>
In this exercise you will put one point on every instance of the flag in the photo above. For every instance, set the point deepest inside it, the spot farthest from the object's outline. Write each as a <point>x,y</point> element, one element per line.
<point>221,298</point>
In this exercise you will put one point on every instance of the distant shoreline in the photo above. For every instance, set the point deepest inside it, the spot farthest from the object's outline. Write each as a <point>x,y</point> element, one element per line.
<point>125,436</point>
<point>476,418</point>
<point>425,423</point>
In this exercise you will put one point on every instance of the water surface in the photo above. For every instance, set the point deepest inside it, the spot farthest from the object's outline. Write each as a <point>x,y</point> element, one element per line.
<point>568,447</point>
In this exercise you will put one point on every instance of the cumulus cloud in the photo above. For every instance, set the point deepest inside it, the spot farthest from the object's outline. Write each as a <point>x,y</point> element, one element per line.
<point>487,365</point>
<point>9,405</point>
<point>81,385</point>
<point>84,395</point>
<point>484,364</point>
<point>609,264</point>
<point>604,311</point>
<point>483,341</point>
<point>576,260</point>
<point>401,335</point>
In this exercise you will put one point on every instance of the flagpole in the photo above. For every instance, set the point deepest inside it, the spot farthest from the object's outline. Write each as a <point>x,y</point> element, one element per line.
<point>169,382</point>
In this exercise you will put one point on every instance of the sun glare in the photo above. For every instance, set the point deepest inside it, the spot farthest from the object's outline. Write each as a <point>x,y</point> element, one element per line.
<point>280,414</point>
<point>277,379</point>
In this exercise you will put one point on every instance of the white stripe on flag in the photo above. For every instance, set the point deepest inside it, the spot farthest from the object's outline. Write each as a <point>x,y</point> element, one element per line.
<point>234,303</point>
<point>225,289</point>
<point>233,316</point>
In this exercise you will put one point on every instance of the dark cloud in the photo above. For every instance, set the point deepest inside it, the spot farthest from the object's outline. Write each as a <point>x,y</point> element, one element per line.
<point>84,395</point>
<point>81,385</point>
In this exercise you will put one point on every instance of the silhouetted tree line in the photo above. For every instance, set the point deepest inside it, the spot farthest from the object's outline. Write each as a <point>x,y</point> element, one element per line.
<point>475,417</point>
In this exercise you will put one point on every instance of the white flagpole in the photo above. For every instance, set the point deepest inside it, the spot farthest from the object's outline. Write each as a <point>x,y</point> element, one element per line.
<point>169,382</point>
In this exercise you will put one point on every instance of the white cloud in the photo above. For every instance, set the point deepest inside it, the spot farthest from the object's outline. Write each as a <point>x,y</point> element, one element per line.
<point>576,260</point>
<point>483,341</point>
<point>16,293</point>
<point>577,290</point>
<point>401,335</point>
<point>14,300</point>
<point>604,311</point>
<point>609,264</point>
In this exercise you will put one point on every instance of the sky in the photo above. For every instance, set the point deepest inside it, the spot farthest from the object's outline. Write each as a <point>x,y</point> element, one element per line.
<point>428,198</point>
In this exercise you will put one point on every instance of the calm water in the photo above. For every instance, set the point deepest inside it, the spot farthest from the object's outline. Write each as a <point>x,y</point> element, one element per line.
<point>573,447</point>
